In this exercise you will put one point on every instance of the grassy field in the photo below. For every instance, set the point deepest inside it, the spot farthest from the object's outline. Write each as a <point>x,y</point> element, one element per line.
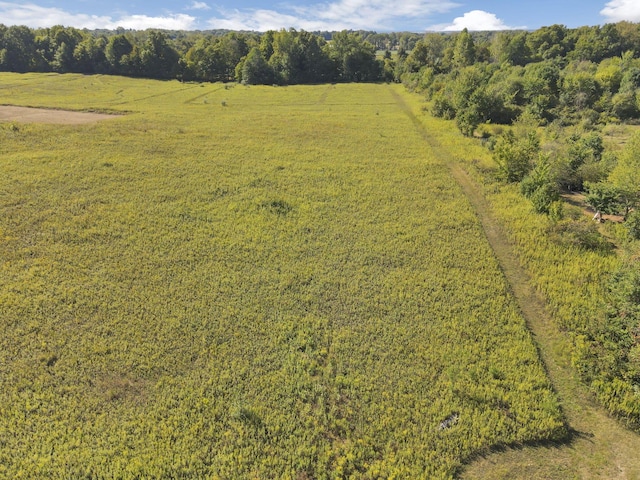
<point>233,282</point>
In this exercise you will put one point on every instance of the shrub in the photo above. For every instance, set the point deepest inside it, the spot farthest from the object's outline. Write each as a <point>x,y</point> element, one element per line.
<point>556,210</point>
<point>544,197</point>
<point>581,233</point>
<point>633,224</point>
<point>443,107</point>
<point>514,156</point>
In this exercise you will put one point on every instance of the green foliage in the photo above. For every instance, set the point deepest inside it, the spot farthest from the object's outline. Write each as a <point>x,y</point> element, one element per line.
<point>624,105</point>
<point>157,58</point>
<point>579,90</point>
<point>256,70</point>
<point>354,57</point>
<point>464,50</point>
<point>538,177</point>
<point>511,48</point>
<point>632,224</point>
<point>603,197</point>
<point>117,50</point>
<point>298,57</point>
<point>468,119</point>
<point>442,107</point>
<point>625,177</point>
<point>540,188</point>
<point>581,161</point>
<point>581,233</point>
<point>614,342</point>
<point>556,210</point>
<point>544,197</point>
<point>514,156</point>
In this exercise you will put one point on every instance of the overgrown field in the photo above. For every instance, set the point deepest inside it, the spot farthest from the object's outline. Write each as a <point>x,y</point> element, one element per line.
<point>247,283</point>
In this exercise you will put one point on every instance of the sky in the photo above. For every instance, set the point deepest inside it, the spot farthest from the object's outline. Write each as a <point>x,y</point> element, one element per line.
<point>318,15</point>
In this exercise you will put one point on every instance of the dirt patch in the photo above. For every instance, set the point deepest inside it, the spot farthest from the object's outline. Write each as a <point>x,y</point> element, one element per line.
<point>580,201</point>
<point>9,113</point>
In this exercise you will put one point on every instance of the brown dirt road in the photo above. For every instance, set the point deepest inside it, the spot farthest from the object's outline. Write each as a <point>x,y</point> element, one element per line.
<point>9,113</point>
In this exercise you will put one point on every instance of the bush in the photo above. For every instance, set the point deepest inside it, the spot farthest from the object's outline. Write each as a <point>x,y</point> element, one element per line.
<point>581,233</point>
<point>468,120</point>
<point>556,210</point>
<point>514,156</point>
<point>603,197</point>
<point>443,107</point>
<point>632,224</point>
<point>544,197</point>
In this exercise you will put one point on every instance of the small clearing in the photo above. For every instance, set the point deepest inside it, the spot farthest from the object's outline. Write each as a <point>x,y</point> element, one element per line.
<point>579,200</point>
<point>9,113</point>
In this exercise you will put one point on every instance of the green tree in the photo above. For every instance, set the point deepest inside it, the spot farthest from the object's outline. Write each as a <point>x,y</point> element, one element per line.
<point>354,58</point>
<point>580,90</point>
<point>64,41</point>
<point>293,57</point>
<point>540,187</point>
<point>549,42</point>
<point>595,43</point>
<point>609,75</point>
<point>89,55</point>
<point>18,52</point>
<point>464,50</point>
<point>540,84</point>
<point>632,224</point>
<point>515,156</point>
<point>118,47</point>
<point>418,57</point>
<point>511,48</point>
<point>626,174</point>
<point>603,197</point>
<point>582,161</point>
<point>63,59</point>
<point>157,58</point>
<point>205,61</point>
<point>256,70</point>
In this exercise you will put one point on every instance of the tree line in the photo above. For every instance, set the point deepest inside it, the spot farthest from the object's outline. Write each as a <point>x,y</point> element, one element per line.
<point>275,57</point>
<point>515,68</point>
<point>586,74</point>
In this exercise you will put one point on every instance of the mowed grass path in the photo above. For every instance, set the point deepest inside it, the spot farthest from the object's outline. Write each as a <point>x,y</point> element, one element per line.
<point>233,282</point>
<point>599,446</point>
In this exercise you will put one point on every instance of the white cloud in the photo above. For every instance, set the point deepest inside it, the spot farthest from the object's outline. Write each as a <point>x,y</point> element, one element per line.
<point>142,22</point>
<point>620,10</point>
<point>477,20</point>
<point>199,6</point>
<point>340,14</point>
<point>380,15</point>
<point>35,16</point>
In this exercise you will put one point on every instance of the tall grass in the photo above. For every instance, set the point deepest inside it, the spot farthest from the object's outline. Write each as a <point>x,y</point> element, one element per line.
<point>247,283</point>
<point>571,275</point>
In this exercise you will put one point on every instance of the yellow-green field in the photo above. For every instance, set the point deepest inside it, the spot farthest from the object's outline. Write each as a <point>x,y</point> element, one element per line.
<point>233,282</point>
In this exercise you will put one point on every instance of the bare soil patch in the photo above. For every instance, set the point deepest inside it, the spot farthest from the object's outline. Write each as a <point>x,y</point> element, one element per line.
<point>579,200</point>
<point>44,115</point>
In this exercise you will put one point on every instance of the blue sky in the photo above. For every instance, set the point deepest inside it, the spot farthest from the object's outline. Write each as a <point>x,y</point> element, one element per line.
<point>311,15</point>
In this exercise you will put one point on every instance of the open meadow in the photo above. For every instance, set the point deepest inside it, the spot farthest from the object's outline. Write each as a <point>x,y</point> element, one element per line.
<point>248,282</point>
